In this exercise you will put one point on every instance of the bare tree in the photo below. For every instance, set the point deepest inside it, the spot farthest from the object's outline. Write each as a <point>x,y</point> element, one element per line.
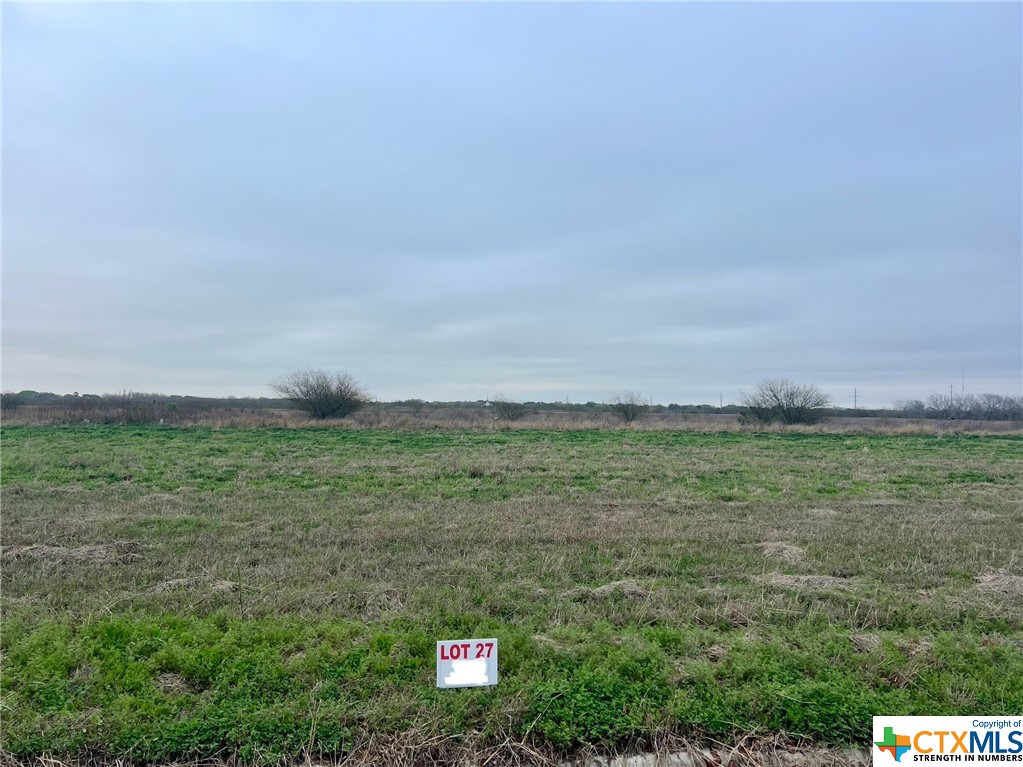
<point>778,400</point>
<point>912,408</point>
<point>507,410</point>
<point>322,394</point>
<point>978,407</point>
<point>943,406</point>
<point>1000,407</point>
<point>628,406</point>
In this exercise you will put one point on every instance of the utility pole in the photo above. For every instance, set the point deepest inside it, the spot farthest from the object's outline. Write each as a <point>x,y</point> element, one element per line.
<point>721,400</point>
<point>855,407</point>
<point>963,389</point>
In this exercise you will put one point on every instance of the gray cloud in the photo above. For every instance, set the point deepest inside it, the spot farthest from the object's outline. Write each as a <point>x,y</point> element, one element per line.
<point>543,200</point>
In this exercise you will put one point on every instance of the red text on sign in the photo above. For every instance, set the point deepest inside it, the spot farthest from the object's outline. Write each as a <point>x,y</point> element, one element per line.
<point>481,646</point>
<point>455,651</point>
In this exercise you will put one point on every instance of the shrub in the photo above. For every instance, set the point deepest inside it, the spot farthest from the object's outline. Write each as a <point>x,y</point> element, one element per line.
<point>507,410</point>
<point>322,394</point>
<point>778,400</point>
<point>628,406</point>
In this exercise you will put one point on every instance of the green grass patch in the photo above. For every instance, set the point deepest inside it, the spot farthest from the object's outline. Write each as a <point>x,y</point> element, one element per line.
<point>156,689</point>
<point>178,593</point>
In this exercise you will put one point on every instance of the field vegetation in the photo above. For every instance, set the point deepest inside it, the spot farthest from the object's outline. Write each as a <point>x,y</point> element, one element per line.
<point>271,594</point>
<point>956,412</point>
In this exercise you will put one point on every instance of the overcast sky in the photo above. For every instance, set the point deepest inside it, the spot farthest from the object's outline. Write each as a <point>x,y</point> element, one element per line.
<point>545,201</point>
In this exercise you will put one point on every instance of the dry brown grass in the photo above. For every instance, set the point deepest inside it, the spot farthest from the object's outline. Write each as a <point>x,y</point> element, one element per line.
<point>1001,582</point>
<point>377,417</point>
<point>475,750</point>
<point>786,552</point>
<point>104,553</point>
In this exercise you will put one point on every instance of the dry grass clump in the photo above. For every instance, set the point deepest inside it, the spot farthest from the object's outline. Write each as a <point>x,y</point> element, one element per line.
<point>627,588</point>
<point>865,643</point>
<point>786,552</point>
<point>811,582</point>
<point>1001,582</point>
<point>217,586</point>
<point>105,553</point>
<point>173,684</point>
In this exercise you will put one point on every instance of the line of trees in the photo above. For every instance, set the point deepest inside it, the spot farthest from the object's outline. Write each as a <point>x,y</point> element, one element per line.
<point>972,407</point>
<point>32,398</point>
<point>126,407</point>
<point>335,395</point>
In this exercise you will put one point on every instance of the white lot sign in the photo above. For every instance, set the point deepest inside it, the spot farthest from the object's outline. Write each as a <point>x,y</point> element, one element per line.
<point>466,663</point>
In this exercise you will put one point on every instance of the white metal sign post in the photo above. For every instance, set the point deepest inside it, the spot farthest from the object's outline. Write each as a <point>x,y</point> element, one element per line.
<point>466,663</point>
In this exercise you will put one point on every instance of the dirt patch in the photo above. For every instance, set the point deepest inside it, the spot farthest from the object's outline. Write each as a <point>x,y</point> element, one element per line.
<point>1001,582</point>
<point>173,684</point>
<point>786,552</point>
<point>106,553</point>
<point>810,582</point>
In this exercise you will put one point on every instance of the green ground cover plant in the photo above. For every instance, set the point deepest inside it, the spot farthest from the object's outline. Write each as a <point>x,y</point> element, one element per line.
<point>177,593</point>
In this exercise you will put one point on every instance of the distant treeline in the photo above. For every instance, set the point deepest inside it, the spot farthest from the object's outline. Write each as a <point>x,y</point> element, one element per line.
<point>966,407</point>
<point>143,407</point>
<point>419,405</point>
<point>130,407</point>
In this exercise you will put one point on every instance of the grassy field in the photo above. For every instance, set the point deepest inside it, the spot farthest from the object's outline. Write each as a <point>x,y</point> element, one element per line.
<point>173,593</point>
